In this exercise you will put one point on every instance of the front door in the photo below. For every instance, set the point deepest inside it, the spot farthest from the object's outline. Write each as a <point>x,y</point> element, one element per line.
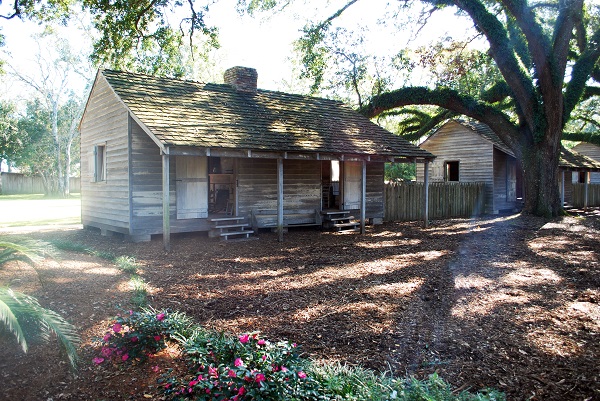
<point>352,185</point>
<point>191,184</point>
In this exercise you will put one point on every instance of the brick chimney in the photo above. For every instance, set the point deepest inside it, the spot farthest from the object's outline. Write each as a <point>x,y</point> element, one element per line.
<point>243,79</point>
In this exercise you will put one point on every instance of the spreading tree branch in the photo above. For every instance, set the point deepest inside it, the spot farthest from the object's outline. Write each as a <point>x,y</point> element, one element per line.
<point>451,100</point>
<point>583,68</point>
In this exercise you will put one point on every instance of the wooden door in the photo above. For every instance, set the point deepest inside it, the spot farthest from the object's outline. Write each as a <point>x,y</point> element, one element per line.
<point>191,184</point>
<point>511,180</point>
<point>352,185</point>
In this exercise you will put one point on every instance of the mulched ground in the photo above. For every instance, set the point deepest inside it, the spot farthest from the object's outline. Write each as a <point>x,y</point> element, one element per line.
<point>510,302</point>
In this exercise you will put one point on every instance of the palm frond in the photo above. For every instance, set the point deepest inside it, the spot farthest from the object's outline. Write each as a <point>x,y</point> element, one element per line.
<point>27,250</point>
<point>27,309</point>
<point>8,318</point>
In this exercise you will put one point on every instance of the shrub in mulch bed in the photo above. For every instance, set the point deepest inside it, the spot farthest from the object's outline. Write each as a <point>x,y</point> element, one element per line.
<point>223,367</point>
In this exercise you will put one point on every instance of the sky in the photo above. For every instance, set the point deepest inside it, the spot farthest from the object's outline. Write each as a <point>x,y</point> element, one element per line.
<point>264,42</point>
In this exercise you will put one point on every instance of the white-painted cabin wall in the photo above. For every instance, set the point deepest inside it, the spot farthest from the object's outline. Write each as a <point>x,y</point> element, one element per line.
<point>105,204</point>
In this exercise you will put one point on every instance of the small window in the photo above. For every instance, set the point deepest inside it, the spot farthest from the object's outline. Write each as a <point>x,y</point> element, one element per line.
<point>451,171</point>
<point>100,163</point>
<point>581,178</point>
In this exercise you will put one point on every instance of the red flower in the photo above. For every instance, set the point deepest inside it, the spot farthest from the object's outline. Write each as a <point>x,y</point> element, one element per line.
<point>117,327</point>
<point>260,378</point>
<point>160,317</point>
<point>244,338</point>
<point>157,338</point>
<point>231,373</point>
<point>193,383</point>
<point>212,372</point>
<point>242,391</point>
<point>134,339</point>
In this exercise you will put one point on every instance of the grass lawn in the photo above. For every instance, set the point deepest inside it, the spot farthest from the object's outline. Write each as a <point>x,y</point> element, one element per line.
<point>36,210</point>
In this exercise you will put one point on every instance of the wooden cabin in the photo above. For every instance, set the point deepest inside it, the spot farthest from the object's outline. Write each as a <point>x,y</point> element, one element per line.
<point>593,152</point>
<point>471,152</point>
<point>161,156</point>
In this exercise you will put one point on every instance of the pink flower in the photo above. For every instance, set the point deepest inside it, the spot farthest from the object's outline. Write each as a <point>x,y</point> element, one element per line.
<point>238,362</point>
<point>125,357</point>
<point>294,345</point>
<point>261,342</point>
<point>193,383</point>
<point>284,369</point>
<point>212,372</point>
<point>302,375</point>
<point>155,369</point>
<point>200,378</point>
<point>157,338</point>
<point>130,312</point>
<point>160,317</point>
<point>231,373</point>
<point>259,378</point>
<point>106,352</point>
<point>264,357</point>
<point>117,327</point>
<point>134,339</point>
<point>242,391</point>
<point>98,360</point>
<point>244,338</point>
<point>106,337</point>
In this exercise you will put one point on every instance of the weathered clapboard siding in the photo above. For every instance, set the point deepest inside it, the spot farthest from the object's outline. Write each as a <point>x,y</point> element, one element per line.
<point>502,162</point>
<point>146,190</point>
<point>592,151</point>
<point>106,203</point>
<point>475,154</point>
<point>257,185</point>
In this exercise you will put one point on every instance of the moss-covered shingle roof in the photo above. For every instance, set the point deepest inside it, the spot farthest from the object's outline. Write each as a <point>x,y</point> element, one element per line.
<point>187,113</point>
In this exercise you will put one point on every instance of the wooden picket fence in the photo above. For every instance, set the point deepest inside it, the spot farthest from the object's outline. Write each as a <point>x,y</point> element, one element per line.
<point>404,200</point>
<point>20,184</point>
<point>578,195</point>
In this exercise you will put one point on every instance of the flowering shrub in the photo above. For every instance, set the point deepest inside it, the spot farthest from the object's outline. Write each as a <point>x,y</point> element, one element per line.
<point>241,368</point>
<point>138,334</point>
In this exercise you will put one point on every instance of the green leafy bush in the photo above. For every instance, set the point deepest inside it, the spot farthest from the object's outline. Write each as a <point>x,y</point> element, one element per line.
<point>138,334</point>
<point>222,367</point>
<point>247,367</point>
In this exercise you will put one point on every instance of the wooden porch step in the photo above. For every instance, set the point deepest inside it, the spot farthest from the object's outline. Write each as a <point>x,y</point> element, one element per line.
<point>334,219</point>
<point>352,226</point>
<point>334,212</point>
<point>239,225</point>
<point>221,219</point>
<point>245,233</point>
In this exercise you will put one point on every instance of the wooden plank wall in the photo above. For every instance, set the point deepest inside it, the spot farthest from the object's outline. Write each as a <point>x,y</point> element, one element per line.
<point>579,192</point>
<point>404,200</point>
<point>105,204</point>
<point>454,142</point>
<point>257,185</point>
<point>146,189</point>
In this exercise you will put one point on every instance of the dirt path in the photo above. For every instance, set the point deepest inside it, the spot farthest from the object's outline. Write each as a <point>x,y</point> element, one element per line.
<point>509,302</point>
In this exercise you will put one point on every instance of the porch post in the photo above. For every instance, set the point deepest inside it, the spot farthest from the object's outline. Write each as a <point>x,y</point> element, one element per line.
<point>586,191</point>
<point>426,194</point>
<point>562,189</point>
<point>280,199</point>
<point>166,200</point>
<point>363,197</point>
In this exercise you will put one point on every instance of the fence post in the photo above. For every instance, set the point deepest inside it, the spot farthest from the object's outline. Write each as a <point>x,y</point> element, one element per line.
<point>426,195</point>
